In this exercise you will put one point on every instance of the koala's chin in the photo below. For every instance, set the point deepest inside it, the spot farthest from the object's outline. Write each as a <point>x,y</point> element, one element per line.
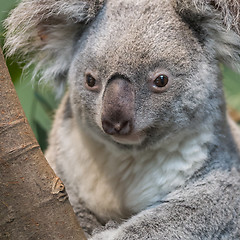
<point>137,141</point>
<point>132,139</point>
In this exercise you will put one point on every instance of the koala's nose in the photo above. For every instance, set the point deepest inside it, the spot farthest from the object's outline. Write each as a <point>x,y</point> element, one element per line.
<point>118,107</point>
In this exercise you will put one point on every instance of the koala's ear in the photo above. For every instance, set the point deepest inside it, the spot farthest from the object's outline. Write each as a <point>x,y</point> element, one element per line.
<point>45,31</point>
<point>218,24</point>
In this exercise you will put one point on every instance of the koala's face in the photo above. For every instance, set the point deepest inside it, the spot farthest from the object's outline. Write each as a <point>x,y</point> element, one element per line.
<point>140,74</point>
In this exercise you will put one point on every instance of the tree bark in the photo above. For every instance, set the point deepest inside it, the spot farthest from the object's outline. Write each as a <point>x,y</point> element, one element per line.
<point>33,202</point>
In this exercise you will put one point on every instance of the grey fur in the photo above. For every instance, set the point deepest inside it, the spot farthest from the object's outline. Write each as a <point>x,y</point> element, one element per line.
<point>58,21</point>
<point>182,180</point>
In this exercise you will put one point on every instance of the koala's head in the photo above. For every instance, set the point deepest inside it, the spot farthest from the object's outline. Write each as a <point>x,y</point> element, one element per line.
<point>138,71</point>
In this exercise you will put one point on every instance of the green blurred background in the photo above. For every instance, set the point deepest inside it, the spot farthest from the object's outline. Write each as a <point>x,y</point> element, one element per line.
<point>39,102</point>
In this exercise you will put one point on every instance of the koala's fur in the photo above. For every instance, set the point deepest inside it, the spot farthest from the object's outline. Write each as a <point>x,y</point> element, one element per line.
<point>176,166</point>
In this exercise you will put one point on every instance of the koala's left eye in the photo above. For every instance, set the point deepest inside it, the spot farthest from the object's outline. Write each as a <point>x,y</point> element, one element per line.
<point>161,81</point>
<point>92,83</point>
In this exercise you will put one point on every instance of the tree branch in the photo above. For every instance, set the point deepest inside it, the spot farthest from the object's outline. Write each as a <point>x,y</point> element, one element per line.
<point>33,202</point>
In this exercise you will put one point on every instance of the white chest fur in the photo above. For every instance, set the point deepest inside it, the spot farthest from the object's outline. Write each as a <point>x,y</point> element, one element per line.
<point>118,184</point>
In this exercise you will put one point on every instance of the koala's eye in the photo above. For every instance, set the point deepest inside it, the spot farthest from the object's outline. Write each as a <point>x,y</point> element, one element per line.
<point>90,80</point>
<point>91,83</point>
<point>161,81</point>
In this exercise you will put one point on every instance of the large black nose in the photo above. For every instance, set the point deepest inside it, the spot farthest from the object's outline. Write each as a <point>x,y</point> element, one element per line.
<point>118,107</point>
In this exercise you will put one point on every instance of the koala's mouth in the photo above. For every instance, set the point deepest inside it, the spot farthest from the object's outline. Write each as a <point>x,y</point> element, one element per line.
<point>131,139</point>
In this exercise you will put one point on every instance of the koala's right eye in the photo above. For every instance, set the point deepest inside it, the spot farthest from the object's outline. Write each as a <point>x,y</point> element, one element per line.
<point>91,83</point>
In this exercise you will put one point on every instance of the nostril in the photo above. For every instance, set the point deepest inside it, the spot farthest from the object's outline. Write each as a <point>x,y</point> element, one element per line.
<point>108,127</point>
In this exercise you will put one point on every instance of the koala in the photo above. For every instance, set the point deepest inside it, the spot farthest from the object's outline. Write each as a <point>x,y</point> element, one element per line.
<point>141,139</point>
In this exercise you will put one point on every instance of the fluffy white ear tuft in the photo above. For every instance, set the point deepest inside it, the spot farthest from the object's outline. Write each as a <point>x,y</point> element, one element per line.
<point>45,32</point>
<point>220,22</point>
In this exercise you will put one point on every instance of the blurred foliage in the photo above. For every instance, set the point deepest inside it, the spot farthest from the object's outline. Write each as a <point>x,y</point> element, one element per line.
<point>232,88</point>
<point>39,102</point>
